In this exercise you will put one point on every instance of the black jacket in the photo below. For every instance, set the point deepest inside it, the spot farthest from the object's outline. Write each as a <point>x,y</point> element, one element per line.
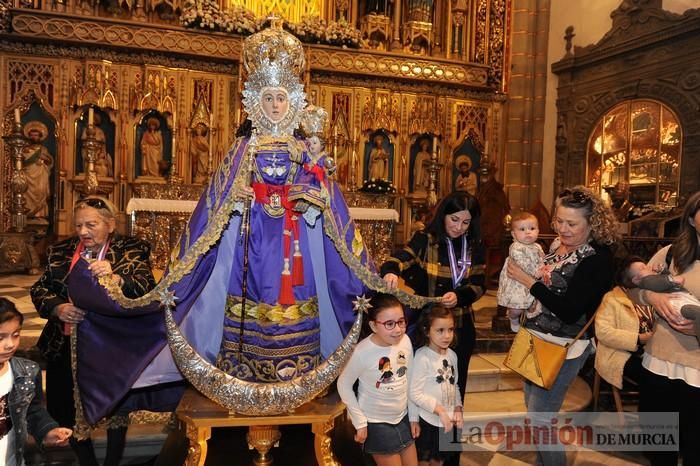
<point>130,260</point>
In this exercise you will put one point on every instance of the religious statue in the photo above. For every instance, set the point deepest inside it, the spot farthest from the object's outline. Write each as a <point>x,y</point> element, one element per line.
<point>261,291</point>
<point>421,174</point>
<point>420,10</point>
<point>103,160</point>
<point>378,160</point>
<point>151,149</point>
<point>199,152</point>
<point>466,179</point>
<point>37,164</point>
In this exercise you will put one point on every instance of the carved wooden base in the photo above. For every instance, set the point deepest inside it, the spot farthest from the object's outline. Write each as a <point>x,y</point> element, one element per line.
<point>197,452</point>
<point>200,415</point>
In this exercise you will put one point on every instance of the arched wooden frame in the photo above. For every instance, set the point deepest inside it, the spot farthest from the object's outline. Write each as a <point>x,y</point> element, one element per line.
<point>598,77</point>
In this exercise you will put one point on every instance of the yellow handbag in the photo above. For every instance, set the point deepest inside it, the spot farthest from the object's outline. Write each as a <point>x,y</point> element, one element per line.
<point>538,360</point>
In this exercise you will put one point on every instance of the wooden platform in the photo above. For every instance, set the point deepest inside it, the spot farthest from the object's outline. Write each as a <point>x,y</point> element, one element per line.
<point>200,415</point>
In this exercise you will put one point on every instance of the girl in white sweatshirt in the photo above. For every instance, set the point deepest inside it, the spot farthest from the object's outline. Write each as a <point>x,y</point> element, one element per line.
<point>385,421</point>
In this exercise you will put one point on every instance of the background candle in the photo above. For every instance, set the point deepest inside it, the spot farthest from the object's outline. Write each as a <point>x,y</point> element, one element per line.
<point>17,116</point>
<point>91,117</point>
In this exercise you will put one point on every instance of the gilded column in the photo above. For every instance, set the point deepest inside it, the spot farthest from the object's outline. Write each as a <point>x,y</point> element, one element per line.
<point>396,42</point>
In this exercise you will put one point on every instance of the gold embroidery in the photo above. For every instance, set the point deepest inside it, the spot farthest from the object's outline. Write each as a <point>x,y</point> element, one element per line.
<point>272,313</point>
<point>273,352</point>
<point>286,336</point>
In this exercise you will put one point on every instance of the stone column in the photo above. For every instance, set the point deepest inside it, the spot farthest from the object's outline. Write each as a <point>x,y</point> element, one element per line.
<point>526,103</point>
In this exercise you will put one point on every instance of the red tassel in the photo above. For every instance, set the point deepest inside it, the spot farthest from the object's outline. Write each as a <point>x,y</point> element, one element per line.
<point>297,266</point>
<point>286,297</point>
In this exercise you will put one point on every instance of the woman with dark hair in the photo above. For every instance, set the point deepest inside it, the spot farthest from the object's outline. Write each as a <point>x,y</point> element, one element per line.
<point>576,274</point>
<point>447,260</point>
<point>671,360</point>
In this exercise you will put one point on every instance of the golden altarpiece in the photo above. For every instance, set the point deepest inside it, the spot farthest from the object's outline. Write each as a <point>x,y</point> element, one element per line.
<point>137,100</point>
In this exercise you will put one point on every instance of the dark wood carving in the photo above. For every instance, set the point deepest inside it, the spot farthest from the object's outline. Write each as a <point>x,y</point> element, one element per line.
<point>649,53</point>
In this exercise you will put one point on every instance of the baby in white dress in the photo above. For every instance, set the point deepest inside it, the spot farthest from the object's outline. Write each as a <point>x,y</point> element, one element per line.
<point>528,255</point>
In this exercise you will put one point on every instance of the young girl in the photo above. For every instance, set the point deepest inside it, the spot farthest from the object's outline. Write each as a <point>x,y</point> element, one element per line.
<point>528,255</point>
<point>433,383</point>
<point>21,411</point>
<point>381,362</point>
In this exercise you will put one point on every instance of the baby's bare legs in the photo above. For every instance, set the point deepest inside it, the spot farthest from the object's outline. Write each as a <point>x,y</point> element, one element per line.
<point>514,316</point>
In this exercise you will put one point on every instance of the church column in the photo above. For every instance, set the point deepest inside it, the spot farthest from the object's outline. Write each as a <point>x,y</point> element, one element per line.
<point>396,42</point>
<point>438,28</point>
<point>526,102</point>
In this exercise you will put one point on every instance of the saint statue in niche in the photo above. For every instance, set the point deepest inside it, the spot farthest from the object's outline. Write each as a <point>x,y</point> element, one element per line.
<point>466,180</point>
<point>199,152</point>
<point>421,175</point>
<point>151,149</point>
<point>378,160</point>
<point>37,164</point>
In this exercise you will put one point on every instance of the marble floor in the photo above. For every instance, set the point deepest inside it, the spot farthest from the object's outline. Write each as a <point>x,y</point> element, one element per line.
<point>296,446</point>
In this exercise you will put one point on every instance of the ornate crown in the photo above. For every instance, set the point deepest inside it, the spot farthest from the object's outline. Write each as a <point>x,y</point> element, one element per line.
<point>273,58</point>
<point>273,47</point>
<point>313,120</point>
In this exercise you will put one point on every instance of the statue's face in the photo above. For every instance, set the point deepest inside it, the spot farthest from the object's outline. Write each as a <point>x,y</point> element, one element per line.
<point>275,103</point>
<point>314,144</point>
<point>35,136</point>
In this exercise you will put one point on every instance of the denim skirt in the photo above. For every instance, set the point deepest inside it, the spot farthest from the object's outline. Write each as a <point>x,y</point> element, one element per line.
<point>386,439</point>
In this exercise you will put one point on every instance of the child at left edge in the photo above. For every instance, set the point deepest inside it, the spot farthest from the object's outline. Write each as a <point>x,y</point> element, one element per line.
<point>433,384</point>
<point>21,411</point>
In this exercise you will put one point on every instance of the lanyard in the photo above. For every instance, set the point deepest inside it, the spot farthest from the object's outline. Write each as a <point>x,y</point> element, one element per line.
<point>458,267</point>
<point>80,252</point>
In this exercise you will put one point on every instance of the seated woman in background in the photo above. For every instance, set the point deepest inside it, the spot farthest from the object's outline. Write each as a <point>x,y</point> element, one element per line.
<point>622,327</point>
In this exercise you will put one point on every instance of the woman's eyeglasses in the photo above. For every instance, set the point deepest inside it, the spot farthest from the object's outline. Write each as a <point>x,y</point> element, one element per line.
<point>391,324</point>
<point>575,197</point>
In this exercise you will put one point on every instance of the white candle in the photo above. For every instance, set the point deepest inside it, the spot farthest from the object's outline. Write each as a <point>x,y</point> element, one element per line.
<point>91,116</point>
<point>435,144</point>
<point>17,116</point>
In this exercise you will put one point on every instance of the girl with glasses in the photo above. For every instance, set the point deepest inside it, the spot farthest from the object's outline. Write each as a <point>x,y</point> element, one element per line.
<point>385,421</point>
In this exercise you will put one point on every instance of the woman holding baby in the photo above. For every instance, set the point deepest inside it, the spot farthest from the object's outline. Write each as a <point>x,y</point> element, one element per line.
<point>575,275</point>
<point>671,360</point>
